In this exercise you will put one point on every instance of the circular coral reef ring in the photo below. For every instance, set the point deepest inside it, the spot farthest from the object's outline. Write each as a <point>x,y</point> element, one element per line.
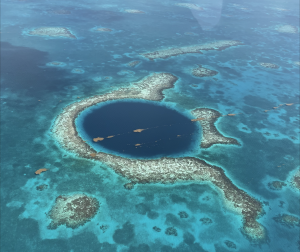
<point>162,170</point>
<point>51,32</point>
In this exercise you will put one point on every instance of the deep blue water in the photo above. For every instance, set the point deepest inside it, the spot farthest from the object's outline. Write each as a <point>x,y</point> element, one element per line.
<point>268,151</point>
<point>166,131</point>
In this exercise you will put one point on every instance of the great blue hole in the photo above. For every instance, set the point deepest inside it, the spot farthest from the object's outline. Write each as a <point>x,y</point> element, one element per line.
<point>167,132</point>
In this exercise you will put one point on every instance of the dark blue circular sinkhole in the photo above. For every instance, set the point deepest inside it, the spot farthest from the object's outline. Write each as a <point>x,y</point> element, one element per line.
<point>167,132</point>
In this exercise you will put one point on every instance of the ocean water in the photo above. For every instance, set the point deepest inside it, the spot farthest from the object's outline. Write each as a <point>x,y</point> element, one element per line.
<point>34,93</point>
<point>166,132</point>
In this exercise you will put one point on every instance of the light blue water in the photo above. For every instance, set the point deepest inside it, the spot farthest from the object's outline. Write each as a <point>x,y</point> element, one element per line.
<point>241,86</point>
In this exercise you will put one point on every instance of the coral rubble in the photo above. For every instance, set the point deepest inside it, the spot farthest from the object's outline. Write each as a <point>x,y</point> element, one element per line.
<point>163,170</point>
<point>73,210</point>
<point>203,72</point>
<point>166,53</point>
<point>52,32</point>
<point>210,134</point>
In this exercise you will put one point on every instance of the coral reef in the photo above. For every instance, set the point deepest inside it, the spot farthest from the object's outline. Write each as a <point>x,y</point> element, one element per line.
<point>129,186</point>
<point>42,187</point>
<point>73,210</point>
<point>218,45</point>
<point>287,29</point>
<point>287,220</point>
<point>203,72</point>
<point>295,181</point>
<point>104,228</point>
<point>211,135</point>
<point>133,63</point>
<point>269,65</point>
<point>56,64</point>
<point>190,6</point>
<point>77,71</point>
<point>157,229</point>
<point>276,185</point>
<point>162,170</point>
<point>52,32</point>
<point>206,221</point>
<point>103,29</point>
<point>183,215</point>
<point>134,11</point>
<point>230,244</point>
<point>171,231</point>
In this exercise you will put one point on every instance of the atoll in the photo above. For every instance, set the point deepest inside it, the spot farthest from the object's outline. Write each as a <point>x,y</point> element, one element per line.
<point>295,181</point>
<point>190,6</point>
<point>276,185</point>
<point>52,32</point>
<point>210,134</point>
<point>171,231</point>
<point>203,72</point>
<point>269,65</point>
<point>166,53</point>
<point>73,210</point>
<point>163,170</point>
<point>134,11</point>
<point>287,29</point>
<point>287,220</point>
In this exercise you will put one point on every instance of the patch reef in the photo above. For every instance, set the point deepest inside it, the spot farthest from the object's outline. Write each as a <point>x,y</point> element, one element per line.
<point>163,170</point>
<point>52,32</point>
<point>166,53</point>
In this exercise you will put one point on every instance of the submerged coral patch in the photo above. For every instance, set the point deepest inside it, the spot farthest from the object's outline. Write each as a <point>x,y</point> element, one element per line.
<point>52,32</point>
<point>134,11</point>
<point>287,29</point>
<point>276,185</point>
<point>287,220</point>
<point>203,72</point>
<point>269,65</point>
<point>77,71</point>
<point>133,63</point>
<point>295,181</point>
<point>73,210</point>
<point>190,6</point>
<point>166,53</point>
<point>56,64</point>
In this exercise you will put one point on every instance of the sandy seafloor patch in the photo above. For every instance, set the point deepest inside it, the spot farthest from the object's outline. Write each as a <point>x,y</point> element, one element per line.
<point>242,86</point>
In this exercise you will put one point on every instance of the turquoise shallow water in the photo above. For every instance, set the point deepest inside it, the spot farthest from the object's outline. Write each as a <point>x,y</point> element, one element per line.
<point>33,93</point>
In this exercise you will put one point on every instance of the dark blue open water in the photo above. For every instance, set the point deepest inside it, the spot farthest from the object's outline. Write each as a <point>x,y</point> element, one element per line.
<point>166,131</point>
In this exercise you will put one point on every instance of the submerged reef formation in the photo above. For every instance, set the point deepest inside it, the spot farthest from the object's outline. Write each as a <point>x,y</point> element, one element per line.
<point>103,29</point>
<point>287,220</point>
<point>230,244</point>
<point>163,170</point>
<point>287,29</point>
<point>183,215</point>
<point>269,65</point>
<point>276,185</point>
<point>211,135</point>
<point>295,181</point>
<point>134,11</point>
<point>203,72</point>
<point>190,6</point>
<point>52,32</point>
<point>133,63</point>
<point>206,221</point>
<point>42,187</point>
<point>56,64</point>
<point>166,53</point>
<point>171,231</point>
<point>73,211</point>
<point>77,71</point>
